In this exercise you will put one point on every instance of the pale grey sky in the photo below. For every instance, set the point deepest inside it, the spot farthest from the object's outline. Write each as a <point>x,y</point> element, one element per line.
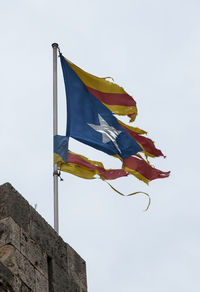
<point>151,48</point>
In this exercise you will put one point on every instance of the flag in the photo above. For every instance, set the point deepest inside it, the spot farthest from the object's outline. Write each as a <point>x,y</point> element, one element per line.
<point>90,121</point>
<point>92,103</point>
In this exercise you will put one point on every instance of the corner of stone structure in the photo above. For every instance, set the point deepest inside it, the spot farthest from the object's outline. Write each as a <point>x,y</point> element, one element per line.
<point>33,257</point>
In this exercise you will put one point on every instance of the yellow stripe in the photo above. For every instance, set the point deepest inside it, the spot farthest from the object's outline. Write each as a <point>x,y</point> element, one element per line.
<point>79,171</point>
<point>122,110</point>
<point>136,174</point>
<point>74,169</point>
<point>97,83</point>
<point>134,129</point>
<point>149,154</point>
<point>132,119</point>
<point>57,158</point>
<point>93,162</point>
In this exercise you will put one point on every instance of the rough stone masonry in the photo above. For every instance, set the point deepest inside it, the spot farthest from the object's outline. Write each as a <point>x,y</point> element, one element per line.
<point>33,258</point>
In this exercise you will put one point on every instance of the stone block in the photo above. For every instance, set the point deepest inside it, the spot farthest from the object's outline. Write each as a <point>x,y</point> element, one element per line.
<point>9,282</point>
<point>77,267</point>
<point>60,253</point>
<point>24,288</point>
<point>9,232</point>
<point>42,233</point>
<point>12,204</point>
<point>74,287</point>
<point>17,284</point>
<point>34,253</point>
<point>6,278</point>
<point>59,278</point>
<point>18,265</point>
<point>41,283</point>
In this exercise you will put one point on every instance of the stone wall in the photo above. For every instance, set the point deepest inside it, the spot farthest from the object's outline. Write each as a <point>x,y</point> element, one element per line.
<point>32,255</point>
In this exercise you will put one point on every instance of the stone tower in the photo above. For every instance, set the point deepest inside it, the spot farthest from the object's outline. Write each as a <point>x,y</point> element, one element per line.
<point>33,258</point>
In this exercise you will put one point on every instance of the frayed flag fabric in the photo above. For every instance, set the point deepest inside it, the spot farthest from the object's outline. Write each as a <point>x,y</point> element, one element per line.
<point>141,169</point>
<point>92,103</point>
<point>81,166</point>
<point>147,144</point>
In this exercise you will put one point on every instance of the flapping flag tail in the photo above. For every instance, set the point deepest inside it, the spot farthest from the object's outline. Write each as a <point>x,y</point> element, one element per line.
<point>141,169</point>
<point>147,144</point>
<point>81,166</point>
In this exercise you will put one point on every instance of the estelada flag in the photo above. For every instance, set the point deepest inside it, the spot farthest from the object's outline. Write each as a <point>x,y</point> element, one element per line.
<point>92,103</point>
<point>90,121</point>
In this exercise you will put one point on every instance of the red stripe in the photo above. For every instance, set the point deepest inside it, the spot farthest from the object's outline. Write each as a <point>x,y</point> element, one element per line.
<point>106,174</point>
<point>114,173</point>
<point>146,143</point>
<point>141,166</point>
<point>132,117</point>
<point>76,159</point>
<point>113,98</point>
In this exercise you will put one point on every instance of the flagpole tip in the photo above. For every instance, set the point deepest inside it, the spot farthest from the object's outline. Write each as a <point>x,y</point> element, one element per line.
<point>55,45</point>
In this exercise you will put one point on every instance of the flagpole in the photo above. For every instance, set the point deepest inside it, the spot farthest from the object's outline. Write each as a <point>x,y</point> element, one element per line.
<point>55,132</point>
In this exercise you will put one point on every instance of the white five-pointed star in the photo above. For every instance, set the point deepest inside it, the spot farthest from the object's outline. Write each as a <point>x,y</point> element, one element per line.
<point>109,133</point>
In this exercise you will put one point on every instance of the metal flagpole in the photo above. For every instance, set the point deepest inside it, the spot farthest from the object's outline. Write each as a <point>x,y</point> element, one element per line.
<point>55,132</point>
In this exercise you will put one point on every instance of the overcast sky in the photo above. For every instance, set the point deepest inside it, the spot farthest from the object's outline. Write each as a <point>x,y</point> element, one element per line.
<point>152,49</point>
